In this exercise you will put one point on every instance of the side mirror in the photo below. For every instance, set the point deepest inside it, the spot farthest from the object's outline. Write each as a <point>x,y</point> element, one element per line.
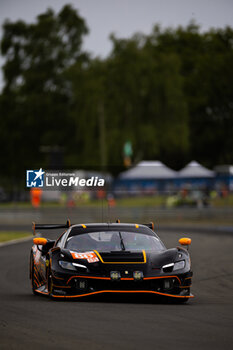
<point>185,241</point>
<point>40,241</point>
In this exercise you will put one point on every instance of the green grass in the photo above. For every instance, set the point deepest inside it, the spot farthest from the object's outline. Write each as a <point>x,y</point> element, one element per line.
<point>147,201</point>
<point>144,201</point>
<point>223,202</point>
<point>25,205</point>
<point>10,235</point>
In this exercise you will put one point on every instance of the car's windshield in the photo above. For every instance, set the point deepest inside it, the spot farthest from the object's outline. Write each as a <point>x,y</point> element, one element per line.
<point>113,241</point>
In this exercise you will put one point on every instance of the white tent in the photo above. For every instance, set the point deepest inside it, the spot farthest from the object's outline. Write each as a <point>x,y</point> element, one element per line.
<point>194,170</point>
<point>148,170</point>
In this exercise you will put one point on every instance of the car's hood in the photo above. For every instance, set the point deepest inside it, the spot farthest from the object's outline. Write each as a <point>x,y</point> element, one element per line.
<point>156,259</point>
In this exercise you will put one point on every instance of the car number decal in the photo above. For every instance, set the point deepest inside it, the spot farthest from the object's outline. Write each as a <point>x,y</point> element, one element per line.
<point>89,256</point>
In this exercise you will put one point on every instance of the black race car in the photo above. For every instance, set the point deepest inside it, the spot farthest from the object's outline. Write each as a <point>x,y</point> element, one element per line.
<point>89,259</point>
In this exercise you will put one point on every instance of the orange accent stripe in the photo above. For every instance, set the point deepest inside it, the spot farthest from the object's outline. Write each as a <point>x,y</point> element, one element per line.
<point>34,281</point>
<point>36,274</point>
<point>42,282</point>
<point>38,291</point>
<point>188,278</point>
<point>185,286</point>
<point>123,291</point>
<point>35,267</point>
<point>35,264</point>
<point>36,278</point>
<point>61,286</point>
<point>35,270</point>
<point>57,278</point>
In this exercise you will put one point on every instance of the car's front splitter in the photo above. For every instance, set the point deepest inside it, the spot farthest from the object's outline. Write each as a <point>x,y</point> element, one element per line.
<point>124,292</point>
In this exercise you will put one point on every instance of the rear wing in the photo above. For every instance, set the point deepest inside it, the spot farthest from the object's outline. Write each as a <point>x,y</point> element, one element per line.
<point>49,226</point>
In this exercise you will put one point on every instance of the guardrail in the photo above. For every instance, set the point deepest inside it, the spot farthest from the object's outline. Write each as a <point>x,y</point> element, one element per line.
<point>129,214</point>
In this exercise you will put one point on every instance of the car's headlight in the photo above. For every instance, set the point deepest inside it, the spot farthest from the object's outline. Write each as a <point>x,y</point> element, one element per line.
<point>179,265</point>
<point>67,265</point>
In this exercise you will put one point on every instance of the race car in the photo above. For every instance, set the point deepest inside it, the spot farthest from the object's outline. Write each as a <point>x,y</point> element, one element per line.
<point>94,258</point>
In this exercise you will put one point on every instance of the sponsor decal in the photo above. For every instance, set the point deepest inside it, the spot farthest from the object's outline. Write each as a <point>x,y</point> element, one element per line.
<point>89,256</point>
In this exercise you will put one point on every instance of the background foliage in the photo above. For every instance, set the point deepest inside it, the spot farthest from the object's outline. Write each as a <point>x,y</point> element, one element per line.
<point>169,93</point>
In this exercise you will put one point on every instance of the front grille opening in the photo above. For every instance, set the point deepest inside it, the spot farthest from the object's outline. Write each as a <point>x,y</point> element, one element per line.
<point>123,257</point>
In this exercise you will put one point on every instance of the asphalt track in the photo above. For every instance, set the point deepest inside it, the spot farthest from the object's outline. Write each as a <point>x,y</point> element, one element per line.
<point>206,322</point>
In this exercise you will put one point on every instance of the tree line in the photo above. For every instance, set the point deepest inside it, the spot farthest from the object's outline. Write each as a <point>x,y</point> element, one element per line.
<point>169,93</point>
